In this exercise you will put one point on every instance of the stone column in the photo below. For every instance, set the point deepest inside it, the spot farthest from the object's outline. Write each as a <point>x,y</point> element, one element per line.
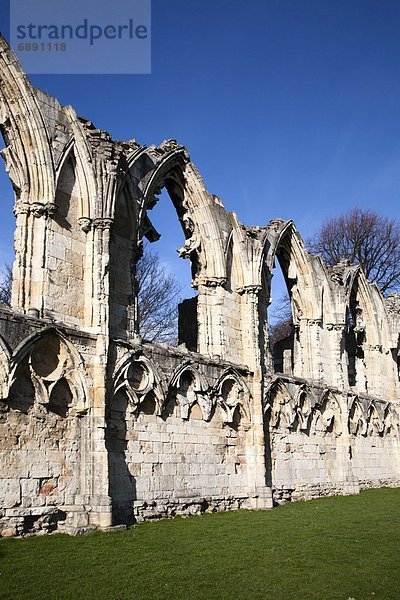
<point>335,371</point>
<point>21,212</point>
<point>210,318</point>
<point>253,356</point>
<point>85,223</point>
<point>101,514</point>
<point>29,289</point>
<point>101,250</point>
<point>344,449</point>
<point>100,502</point>
<point>310,364</point>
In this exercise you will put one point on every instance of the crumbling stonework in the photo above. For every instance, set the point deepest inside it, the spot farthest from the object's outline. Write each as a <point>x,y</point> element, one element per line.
<point>99,427</point>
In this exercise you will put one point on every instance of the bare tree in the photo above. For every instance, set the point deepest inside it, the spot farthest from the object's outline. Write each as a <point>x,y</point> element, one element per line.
<point>5,285</point>
<point>158,297</point>
<point>366,238</point>
<point>280,320</point>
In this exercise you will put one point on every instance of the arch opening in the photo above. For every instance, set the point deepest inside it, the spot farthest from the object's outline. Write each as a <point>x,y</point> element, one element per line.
<point>282,312</point>
<point>161,272</point>
<point>355,338</point>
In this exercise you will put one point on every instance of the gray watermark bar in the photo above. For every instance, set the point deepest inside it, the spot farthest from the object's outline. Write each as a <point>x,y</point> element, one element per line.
<point>82,36</point>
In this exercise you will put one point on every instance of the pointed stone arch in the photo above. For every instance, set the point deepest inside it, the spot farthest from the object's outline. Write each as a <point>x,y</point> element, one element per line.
<point>357,422</point>
<point>138,377</point>
<point>362,291</point>
<point>50,357</point>
<point>366,335</point>
<point>280,405</point>
<point>392,420</point>
<point>311,300</point>
<point>187,386</point>
<point>304,403</point>
<point>298,267</point>
<point>233,396</point>
<point>197,210</point>
<point>79,147</point>
<point>375,419</point>
<point>28,156</point>
<point>30,165</point>
<point>327,417</point>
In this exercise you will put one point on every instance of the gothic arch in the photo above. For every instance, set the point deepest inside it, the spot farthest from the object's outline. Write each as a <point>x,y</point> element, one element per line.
<point>187,386</point>
<point>28,155</point>
<point>139,377</point>
<point>280,406</point>
<point>357,421</point>
<point>50,357</point>
<point>327,417</point>
<point>78,148</point>
<point>232,395</point>
<point>201,382</point>
<point>304,403</point>
<point>196,208</point>
<point>375,419</point>
<point>391,420</point>
<point>364,293</point>
<point>298,267</point>
<point>312,300</point>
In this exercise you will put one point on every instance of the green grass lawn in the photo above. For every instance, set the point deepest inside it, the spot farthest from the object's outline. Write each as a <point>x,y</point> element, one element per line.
<point>333,548</point>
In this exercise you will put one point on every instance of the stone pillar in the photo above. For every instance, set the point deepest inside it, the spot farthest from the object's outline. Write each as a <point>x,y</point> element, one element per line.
<point>21,212</point>
<point>259,493</point>
<point>335,371</point>
<point>29,288</point>
<point>252,327</point>
<point>310,364</point>
<point>344,452</point>
<point>101,250</point>
<point>100,502</point>
<point>87,227</point>
<point>210,319</point>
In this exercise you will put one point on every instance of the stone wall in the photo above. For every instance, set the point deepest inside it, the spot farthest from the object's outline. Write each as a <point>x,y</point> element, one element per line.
<point>325,441</point>
<point>99,427</point>
<point>48,429</point>
<point>177,432</point>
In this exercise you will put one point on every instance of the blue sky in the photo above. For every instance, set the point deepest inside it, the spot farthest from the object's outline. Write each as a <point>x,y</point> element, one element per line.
<point>289,108</point>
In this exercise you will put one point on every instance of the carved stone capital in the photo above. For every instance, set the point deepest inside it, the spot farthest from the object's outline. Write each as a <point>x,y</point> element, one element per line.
<point>336,326</point>
<point>38,209</point>
<point>249,289</point>
<point>43,209</point>
<point>22,208</point>
<point>209,282</point>
<point>85,224</point>
<point>102,223</point>
<point>311,322</point>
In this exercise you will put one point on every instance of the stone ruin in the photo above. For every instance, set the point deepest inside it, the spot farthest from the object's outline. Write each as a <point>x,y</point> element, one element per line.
<point>99,427</point>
